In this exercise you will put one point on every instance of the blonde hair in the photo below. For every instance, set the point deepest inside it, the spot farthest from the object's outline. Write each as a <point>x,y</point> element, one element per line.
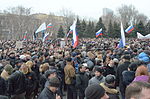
<point>24,68</point>
<point>44,67</point>
<point>141,70</point>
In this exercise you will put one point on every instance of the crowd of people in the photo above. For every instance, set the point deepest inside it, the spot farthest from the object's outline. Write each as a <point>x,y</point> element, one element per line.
<point>95,69</point>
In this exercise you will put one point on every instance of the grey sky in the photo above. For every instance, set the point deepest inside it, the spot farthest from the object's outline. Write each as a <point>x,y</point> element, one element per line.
<point>83,8</point>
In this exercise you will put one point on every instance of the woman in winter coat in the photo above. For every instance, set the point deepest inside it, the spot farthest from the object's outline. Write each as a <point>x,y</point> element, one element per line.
<point>142,74</point>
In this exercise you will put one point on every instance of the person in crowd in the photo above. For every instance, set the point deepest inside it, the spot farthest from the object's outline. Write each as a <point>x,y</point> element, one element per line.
<point>18,64</point>
<point>109,86</point>
<point>95,91</point>
<point>129,75</point>
<point>109,69</point>
<point>119,78</point>
<point>31,80</point>
<point>142,74</point>
<point>82,79</point>
<point>138,90</point>
<point>98,78</point>
<point>48,74</point>
<point>49,92</point>
<point>69,71</point>
<point>7,71</point>
<point>17,85</point>
<point>12,59</point>
<point>3,88</point>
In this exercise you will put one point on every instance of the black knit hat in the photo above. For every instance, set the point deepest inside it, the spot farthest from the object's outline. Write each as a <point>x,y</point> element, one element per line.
<point>54,82</point>
<point>99,69</point>
<point>94,91</point>
<point>109,79</point>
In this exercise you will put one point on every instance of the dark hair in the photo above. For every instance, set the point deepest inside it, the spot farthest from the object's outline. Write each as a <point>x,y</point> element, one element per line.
<point>133,66</point>
<point>69,59</point>
<point>135,89</point>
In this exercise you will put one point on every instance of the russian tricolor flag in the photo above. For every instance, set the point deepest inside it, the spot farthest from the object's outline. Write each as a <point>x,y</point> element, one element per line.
<point>25,36</point>
<point>75,41</point>
<point>49,25</point>
<point>70,32</point>
<point>129,29</point>
<point>98,33</point>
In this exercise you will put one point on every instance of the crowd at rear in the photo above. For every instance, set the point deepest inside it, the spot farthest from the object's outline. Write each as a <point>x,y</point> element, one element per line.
<point>93,70</point>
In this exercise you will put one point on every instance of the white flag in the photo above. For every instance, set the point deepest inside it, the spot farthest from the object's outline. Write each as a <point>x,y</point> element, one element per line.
<point>46,35</point>
<point>41,27</point>
<point>123,36</point>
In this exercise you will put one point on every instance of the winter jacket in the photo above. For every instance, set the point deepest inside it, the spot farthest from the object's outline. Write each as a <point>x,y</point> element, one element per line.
<point>46,94</point>
<point>31,82</point>
<point>128,77</point>
<point>96,80</point>
<point>112,93</point>
<point>142,78</point>
<point>119,77</point>
<point>42,81</point>
<point>16,83</point>
<point>82,82</point>
<point>3,88</point>
<point>120,69</point>
<point>69,74</point>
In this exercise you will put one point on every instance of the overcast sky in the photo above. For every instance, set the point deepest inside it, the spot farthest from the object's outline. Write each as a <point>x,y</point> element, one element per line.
<point>83,8</point>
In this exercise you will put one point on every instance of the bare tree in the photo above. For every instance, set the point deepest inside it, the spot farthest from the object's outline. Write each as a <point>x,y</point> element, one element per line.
<point>127,14</point>
<point>69,16</point>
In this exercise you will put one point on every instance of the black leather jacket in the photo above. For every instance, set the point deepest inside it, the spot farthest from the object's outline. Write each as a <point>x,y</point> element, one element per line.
<point>16,83</point>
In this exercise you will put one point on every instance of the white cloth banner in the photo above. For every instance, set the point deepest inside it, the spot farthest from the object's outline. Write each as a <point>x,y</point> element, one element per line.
<point>140,36</point>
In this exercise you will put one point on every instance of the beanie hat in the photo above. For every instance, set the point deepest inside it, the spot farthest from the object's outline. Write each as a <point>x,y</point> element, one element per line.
<point>109,79</point>
<point>94,91</point>
<point>127,57</point>
<point>8,68</point>
<point>54,82</point>
<point>99,69</point>
<point>48,72</point>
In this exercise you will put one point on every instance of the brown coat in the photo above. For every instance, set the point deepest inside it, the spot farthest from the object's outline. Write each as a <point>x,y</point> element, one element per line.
<point>69,73</point>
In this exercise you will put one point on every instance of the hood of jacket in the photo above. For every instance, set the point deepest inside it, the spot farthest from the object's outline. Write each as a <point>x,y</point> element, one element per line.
<point>109,90</point>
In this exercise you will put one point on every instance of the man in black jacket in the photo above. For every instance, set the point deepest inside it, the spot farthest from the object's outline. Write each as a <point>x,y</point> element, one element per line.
<point>119,78</point>
<point>2,86</point>
<point>17,85</point>
<point>82,81</point>
<point>49,92</point>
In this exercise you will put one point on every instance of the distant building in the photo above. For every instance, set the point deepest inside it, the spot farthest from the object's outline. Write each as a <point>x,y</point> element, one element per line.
<point>107,11</point>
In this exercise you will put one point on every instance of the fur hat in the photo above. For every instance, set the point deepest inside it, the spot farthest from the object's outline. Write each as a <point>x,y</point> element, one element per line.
<point>8,68</point>
<point>94,91</point>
